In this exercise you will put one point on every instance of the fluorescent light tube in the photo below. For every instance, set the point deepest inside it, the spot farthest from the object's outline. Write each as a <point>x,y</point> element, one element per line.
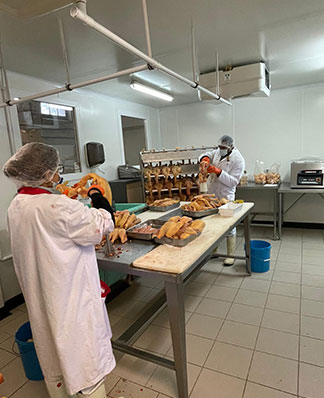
<point>151,91</point>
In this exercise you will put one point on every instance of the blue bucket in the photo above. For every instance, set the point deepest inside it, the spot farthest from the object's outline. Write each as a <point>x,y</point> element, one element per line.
<point>28,353</point>
<point>260,255</point>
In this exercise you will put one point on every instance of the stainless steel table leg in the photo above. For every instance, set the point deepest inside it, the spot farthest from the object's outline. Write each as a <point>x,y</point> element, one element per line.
<point>275,215</point>
<point>247,244</point>
<point>175,300</point>
<point>280,214</point>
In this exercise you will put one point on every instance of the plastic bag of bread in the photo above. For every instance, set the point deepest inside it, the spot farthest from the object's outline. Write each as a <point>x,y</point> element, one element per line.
<point>259,173</point>
<point>244,178</point>
<point>273,175</point>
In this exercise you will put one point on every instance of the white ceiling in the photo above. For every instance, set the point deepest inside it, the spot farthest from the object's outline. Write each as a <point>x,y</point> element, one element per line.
<point>287,34</point>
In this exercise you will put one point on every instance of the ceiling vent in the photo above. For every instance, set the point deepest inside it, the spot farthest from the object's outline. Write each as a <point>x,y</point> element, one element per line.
<point>241,81</point>
<point>25,9</point>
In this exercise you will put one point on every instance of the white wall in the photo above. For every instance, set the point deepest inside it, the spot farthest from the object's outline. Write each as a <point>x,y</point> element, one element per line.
<point>98,119</point>
<point>287,125</point>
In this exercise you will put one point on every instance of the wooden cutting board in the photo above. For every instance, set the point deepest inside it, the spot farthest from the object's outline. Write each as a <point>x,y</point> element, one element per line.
<point>166,258</point>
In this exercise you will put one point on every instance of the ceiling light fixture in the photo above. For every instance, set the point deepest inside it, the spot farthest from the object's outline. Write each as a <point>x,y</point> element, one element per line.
<point>151,91</point>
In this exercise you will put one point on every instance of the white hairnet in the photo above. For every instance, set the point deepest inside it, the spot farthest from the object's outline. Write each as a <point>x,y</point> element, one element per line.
<point>227,141</point>
<point>33,164</point>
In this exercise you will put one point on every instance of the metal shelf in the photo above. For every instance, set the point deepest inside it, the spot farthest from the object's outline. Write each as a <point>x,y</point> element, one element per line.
<point>177,157</point>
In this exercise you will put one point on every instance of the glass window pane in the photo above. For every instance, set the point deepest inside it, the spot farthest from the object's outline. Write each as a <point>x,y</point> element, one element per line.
<point>52,124</point>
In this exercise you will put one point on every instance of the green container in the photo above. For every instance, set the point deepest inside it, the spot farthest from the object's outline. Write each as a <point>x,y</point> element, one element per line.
<point>132,207</point>
<point>110,277</point>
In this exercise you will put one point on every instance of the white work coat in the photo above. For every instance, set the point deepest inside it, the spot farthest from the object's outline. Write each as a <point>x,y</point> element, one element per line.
<point>52,241</point>
<point>232,168</point>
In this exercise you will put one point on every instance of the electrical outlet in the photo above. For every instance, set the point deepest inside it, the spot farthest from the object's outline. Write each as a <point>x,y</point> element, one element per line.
<point>227,76</point>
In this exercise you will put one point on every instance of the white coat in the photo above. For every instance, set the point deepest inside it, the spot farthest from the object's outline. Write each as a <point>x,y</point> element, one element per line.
<point>232,168</point>
<point>52,240</point>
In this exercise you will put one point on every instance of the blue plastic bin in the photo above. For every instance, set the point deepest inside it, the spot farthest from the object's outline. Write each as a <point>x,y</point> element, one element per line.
<point>28,354</point>
<point>260,255</point>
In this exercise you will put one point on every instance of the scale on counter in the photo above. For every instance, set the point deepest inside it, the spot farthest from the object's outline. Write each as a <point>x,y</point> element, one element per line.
<point>307,173</point>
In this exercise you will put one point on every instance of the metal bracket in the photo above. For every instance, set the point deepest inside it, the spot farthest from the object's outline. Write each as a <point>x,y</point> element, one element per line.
<point>293,204</point>
<point>147,356</point>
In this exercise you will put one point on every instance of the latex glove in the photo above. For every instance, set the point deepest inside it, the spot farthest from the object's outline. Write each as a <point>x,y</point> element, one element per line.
<point>95,188</point>
<point>215,170</point>
<point>204,163</point>
<point>205,159</point>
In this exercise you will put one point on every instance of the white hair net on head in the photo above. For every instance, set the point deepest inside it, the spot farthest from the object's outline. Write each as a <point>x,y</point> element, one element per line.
<point>33,164</point>
<point>227,141</point>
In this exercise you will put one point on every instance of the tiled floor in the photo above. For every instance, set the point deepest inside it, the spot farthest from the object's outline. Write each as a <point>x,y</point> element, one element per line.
<point>247,337</point>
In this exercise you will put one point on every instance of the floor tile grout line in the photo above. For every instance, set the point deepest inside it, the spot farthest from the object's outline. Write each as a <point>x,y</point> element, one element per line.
<point>9,362</point>
<point>165,355</point>
<point>284,295</point>
<point>240,287</point>
<point>274,388</point>
<point>141,385</point>
<point>258,334</point>
<point>119,378</point>
<point>19,388</point>
<point>212,346</point>
<point>10,352</point>
<point>254,382</point>
<point>300,320</point>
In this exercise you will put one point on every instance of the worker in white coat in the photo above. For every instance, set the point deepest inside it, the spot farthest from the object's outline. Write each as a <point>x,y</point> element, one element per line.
<point>225,166</point>
<point>52,241</point>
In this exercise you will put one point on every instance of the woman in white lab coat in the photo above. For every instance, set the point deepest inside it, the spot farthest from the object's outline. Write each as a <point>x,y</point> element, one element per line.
<point>52,241</point>
<point>225,166</point>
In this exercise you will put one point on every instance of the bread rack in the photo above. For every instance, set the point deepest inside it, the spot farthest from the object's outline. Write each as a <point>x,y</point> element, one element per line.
<point>187,159</point>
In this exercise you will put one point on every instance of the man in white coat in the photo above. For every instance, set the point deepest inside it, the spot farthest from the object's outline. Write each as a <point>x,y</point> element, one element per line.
<point>225,166</point>
<point>52,241</point>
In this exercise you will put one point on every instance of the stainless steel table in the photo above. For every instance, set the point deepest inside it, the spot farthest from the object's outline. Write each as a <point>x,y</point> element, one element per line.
<point>285,189</point>
<point>275,213</point>
<point>173,297</point>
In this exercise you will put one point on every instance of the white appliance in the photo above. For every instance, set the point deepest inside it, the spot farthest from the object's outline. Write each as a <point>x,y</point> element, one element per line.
<point>247,80</point>
<point>307,173</point>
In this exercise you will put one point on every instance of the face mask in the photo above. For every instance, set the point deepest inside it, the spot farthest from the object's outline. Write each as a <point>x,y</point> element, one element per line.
<point>223,152</point>
<point>55,184</point>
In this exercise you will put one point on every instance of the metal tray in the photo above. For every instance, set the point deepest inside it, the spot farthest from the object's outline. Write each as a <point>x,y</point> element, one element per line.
<point>137,235</point>
<point>176,242</point>
<point>199,214</point>
<point>164,208</point>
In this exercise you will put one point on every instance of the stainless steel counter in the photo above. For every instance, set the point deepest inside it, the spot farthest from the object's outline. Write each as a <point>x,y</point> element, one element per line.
<point>285,189</point>
<point>273,188</point>
<point>173,296</point>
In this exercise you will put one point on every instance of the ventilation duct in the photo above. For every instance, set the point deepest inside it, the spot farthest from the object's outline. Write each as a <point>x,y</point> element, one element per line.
<point>241,81</point>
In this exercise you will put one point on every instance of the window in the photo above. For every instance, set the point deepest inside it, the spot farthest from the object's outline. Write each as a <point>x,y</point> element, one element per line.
<point>52,124</point>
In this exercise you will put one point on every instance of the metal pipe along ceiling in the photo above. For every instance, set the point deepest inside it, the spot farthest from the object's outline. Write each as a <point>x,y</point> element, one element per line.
<point>70,87</point>
<point>79,12</point>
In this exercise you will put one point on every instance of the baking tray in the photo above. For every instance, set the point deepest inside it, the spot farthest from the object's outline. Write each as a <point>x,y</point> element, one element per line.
<point>199,214</point>
<point>136,235</point>
<point>176,242</point>
<point>164,208</point>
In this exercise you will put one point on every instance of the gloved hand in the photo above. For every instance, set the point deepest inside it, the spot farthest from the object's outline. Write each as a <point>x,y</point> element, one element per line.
<point>215,170</point>
<point>205,159</point>
<point>204,163</point>
<point>95,193</point>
